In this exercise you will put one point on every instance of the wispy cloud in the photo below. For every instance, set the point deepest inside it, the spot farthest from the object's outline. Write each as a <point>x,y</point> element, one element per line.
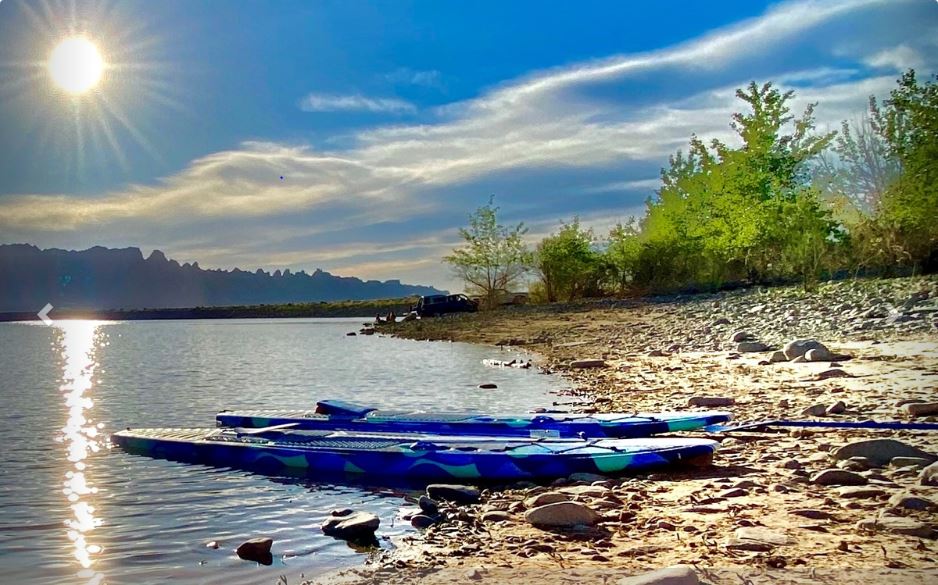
<point>897,58</point>
<point>405,181</point>
<point>320,102</point>
<point>424,78</point>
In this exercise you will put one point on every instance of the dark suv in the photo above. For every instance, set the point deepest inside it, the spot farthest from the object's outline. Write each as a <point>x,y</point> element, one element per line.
<point>434,305</point>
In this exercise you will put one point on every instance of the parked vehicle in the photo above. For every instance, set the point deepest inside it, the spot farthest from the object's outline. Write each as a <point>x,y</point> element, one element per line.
<point>435,305</point>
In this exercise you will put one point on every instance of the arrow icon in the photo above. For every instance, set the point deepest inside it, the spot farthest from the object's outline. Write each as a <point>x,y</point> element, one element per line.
<point>44,314</point>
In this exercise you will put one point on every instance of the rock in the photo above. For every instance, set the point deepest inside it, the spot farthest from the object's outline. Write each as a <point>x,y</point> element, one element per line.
<point>422,521</point>
<point>459,494</point>
<point>720,321</point>
<point>920,409</point>
<point>496,516</point>
<point>909,461</point>
<point>733,493</point>
<point>257,550</point>
<point>791,464</point>
<point>812,514</point>
<point>676,575</point>
<point>910,502</point>
<point>711,401</point>
<point>929,475</point>
<point>488,386</point>
<point>341,512</point>
<point>897,525</point>
<point>656,353</point>
<point>857,464</point>
<point>351,334</point>
<point>212,544</point>
<point>751,346</point>
<point>367,331</point>
<point>833,373</point>
<point>818,355</point>
<point>358,526</point>
<point>880,451</point>
<point>738,336</point>
<point>778,356</point>
<point>587,477</point>
<point>473,574</point>
<point>861,493</point>
<point>428,506</point>
<point>757,539</point>
<point>815,410</point>
<point>545,498</point>
<point>799,347</point>
<point>838,477</point>
<point>837,408</point>
<point>592,363</point>
<point>562,515</point>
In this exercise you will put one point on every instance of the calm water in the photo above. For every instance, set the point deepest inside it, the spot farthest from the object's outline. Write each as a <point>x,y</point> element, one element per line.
<point>76,511</point>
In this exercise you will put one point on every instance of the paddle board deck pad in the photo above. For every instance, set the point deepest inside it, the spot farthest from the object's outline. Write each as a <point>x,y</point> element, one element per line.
<point>412,456</point>
<point>336,415</point>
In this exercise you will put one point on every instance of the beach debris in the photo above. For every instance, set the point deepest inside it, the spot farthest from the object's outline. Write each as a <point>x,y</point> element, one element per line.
<point>357,526</point>
<point>257,550</point>
<point>562,515</point>
<point>880,451</point>
<point>520,364</point>
<point>674,575</point>
<point>458,494</point>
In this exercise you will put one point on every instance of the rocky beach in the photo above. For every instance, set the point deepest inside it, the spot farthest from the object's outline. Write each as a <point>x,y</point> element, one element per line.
<point>780,505</point>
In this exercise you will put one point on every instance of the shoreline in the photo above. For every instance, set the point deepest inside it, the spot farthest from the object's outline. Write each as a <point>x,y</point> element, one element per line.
<point>664,354</point>
<point>324,309</point>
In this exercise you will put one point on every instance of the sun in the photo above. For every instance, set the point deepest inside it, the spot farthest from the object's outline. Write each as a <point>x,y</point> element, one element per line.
<point>76,65</point>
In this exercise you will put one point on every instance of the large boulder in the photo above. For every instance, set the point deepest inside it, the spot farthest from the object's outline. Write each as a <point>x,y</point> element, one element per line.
<point>545,498</point>
<point>799,347</point>
<point>458,494</point>
<point>357,526</point>
<point>562,515</point>
<point>920,409</point>
<point>880,451</point>
<point>676,575</point>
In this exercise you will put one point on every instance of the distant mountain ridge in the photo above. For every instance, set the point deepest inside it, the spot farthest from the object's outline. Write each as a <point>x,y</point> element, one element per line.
<point>106,278</point>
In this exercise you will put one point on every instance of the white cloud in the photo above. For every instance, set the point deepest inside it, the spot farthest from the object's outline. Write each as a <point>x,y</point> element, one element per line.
<point>898,58</point>
<point>424,78</point>
<point>320,102</point>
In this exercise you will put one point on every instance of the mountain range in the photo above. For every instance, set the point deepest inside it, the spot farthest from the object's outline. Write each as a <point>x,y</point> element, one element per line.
<point>106,278</point>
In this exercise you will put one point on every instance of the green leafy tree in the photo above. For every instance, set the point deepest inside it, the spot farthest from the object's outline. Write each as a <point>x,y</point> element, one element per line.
<point>621,256</point>
<point>494,257</point>
<point>908,122</point>
<point>722,213</point>
<point>567,263</point>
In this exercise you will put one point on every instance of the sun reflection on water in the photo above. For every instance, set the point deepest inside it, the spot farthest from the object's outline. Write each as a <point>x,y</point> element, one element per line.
<point>80,435</point>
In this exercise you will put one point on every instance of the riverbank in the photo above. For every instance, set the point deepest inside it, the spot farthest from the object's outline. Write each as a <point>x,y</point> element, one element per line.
<point>282,311</point>
<point>769,510</point>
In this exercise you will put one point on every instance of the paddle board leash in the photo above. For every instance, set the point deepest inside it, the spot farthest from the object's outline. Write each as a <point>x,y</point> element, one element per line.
<point>893,425</point>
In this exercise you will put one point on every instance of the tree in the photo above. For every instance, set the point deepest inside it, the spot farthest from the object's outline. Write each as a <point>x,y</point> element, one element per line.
<point>494,256</point>
<point>908,122</point>
<point>621,256</point>
<point>722,213</point>
<point>567,263</point>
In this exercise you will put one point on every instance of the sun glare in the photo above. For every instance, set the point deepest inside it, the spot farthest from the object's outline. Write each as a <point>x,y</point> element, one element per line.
<point>76,65</point>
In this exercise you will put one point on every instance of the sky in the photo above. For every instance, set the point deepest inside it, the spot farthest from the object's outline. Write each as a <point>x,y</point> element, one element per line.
<point>357,137</point>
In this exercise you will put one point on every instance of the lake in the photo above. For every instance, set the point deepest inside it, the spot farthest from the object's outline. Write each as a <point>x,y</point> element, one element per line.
<point>76,510</point>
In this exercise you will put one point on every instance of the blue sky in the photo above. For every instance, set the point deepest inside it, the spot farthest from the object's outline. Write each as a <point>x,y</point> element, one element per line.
<point>389,122</point>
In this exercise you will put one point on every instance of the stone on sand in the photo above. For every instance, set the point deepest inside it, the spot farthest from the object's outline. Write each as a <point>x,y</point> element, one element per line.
<point>676,575</point>
<point>458,494</point>
<point>897,525</point>
<point>711,401</point>
<point>799,347</point>
<point>880,451</point>
<point>920,409</point>
<point>589,363</point>
<point>562,515</point>
<point>838,477</point>
<point>355,526</point>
